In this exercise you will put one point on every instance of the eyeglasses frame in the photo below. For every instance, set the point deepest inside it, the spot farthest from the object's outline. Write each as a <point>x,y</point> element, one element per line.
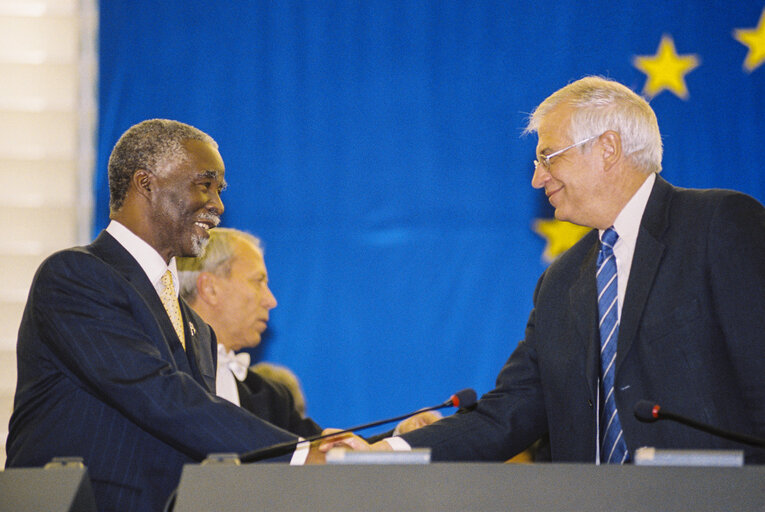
<point>545,159</point>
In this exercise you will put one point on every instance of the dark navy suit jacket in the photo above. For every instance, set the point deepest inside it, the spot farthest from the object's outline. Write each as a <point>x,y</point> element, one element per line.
<point>273,402</point>
<point>691,338</point>
<point>102,375</point>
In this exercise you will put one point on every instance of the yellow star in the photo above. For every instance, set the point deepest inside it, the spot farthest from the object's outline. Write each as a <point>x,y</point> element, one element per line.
<point>560,236</point>
<point>754,39</point>
<point>666,69</point>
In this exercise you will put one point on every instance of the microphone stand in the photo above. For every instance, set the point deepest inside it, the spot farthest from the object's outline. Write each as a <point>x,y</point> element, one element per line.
<point>465,398</point>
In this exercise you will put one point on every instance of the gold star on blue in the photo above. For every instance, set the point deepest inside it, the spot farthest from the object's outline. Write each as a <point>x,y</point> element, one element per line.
<point>666,70</point>
<point>754,39</point>
<point>560,236</point>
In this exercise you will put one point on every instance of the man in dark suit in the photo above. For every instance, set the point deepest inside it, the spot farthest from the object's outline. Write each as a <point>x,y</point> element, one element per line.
<point>111,366</point>
<point>228,287</point>
<point>688,267</point>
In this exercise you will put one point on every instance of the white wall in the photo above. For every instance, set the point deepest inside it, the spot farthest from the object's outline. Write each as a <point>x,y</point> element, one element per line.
<point>47,120</point>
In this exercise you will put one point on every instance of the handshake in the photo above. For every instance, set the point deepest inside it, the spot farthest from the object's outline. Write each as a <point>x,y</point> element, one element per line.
<point>335,438</point>
<point>332,438</point>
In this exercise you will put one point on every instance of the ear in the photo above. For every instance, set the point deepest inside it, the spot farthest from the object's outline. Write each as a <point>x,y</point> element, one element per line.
<point>207,289</point>
<point>142,181</point>
<point>611,144</point>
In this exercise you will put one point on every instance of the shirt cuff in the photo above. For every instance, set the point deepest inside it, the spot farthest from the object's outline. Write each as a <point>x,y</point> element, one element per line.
<point>300,454</point>
<point>398,444</point>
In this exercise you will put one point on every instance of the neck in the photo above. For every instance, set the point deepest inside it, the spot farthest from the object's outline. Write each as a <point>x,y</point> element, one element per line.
<point>628,184</point>
<point>204,310</point>
<point>141,228</point>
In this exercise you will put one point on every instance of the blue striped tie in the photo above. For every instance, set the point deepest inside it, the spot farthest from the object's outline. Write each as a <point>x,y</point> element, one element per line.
<point>613,449</point>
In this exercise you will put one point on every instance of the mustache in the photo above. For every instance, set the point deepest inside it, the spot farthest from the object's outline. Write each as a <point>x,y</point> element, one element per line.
<point>210,217</point>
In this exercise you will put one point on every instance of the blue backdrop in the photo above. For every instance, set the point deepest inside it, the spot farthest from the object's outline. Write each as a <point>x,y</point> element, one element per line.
<point>375,147</point>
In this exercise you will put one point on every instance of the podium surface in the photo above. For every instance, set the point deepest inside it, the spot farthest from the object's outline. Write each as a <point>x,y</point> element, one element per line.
<point>51,490</point>
<point>470,486</point>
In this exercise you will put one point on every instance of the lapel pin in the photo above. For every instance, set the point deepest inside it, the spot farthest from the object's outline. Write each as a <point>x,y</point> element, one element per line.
<point>192,329</point>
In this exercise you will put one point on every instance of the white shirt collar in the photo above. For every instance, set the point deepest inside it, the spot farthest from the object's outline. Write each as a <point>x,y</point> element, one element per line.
<point>225,377</point>
<point>238,364</point>
<point>147,257</point>
<point>627,223</point>
<point>627,226</point>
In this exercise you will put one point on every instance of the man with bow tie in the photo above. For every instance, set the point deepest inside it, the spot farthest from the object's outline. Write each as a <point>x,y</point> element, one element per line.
<point>228,287</point>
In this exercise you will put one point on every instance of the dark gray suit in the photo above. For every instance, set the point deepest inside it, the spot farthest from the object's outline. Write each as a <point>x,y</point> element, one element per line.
<point>273,402</point>
<point>691,338</point>
<point>102,375</point>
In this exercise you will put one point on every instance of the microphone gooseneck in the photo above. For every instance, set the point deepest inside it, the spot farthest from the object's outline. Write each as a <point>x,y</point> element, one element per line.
<point>463,399</point>
<point>650,412</point>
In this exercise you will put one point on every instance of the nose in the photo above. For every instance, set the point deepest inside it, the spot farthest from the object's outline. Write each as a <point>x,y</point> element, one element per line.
<point>270,300</point>
<point>215,203</point>
<point>540,177</point>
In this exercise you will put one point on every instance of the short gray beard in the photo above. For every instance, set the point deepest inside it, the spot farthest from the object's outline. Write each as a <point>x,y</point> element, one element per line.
<point>198,245</point>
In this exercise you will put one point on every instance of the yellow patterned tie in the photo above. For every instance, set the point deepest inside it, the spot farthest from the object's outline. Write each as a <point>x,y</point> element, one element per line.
<point>170,301</point>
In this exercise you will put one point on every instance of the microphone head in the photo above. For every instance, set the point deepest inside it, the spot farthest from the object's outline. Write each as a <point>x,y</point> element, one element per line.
<point>647,411</point>
<point>464,398</point>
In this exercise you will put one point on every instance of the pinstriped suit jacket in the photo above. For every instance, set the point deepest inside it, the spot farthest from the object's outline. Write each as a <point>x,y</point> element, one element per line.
<point>691,338</point>
<point>102,375</point>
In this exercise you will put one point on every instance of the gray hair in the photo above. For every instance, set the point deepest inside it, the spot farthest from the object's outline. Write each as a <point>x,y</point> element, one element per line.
<point>216,259</point>
<point>148,145</point>
<point>601,105</point>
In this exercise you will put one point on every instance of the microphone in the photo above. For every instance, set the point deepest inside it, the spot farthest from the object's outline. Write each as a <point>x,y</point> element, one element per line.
<point>462,399</point>
<point>649,412</point>
<point>646,411</point>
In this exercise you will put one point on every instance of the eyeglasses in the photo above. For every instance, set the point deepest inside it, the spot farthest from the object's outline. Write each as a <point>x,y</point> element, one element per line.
<point>544,160</point>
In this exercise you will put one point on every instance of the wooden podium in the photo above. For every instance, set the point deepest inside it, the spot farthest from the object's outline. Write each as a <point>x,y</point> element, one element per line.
<point>470,487</point>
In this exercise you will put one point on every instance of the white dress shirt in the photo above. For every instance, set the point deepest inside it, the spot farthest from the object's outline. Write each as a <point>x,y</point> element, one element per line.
<point>231,367</point>
<point>627,225</point>
<point>147,257</point>
<point>154,267</point>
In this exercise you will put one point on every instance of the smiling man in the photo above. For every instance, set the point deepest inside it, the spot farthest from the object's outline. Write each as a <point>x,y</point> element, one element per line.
<point>112,367</point>
<point>662,301</point>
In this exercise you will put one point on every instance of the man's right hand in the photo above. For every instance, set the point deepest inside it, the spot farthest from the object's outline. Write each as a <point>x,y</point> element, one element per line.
<point>381,446</point>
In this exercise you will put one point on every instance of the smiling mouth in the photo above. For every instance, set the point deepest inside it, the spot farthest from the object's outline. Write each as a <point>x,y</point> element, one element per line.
<point>208,222</point>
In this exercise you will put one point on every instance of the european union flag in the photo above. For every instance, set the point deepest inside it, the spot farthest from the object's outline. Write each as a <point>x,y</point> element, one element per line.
<point>375,147</point>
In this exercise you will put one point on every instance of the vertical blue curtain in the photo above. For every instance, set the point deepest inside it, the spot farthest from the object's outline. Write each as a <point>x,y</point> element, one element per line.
<point>375,147</point>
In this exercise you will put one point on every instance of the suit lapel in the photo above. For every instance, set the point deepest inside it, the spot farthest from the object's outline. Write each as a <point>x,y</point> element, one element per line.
<point>583,301</point>
<point>246,395</point>
<point>645,263</point>
<point>198,348</point>
<point>109,250</point>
